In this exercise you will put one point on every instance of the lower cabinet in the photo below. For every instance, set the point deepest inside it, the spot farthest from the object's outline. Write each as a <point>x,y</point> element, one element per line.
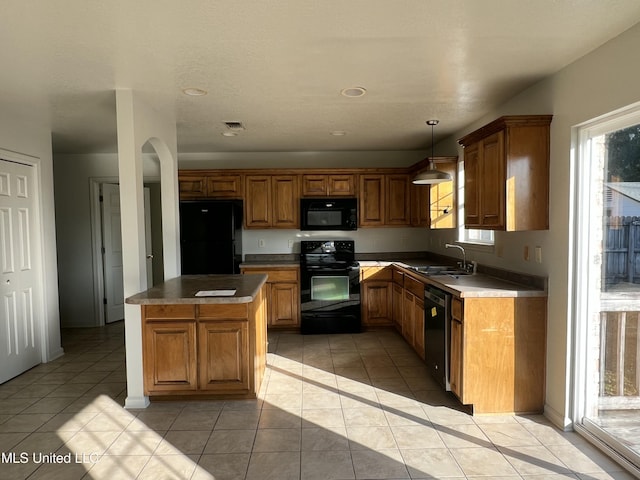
<point>457,348</point>
<point>498,353</point>
<point>376,288</point>
<point>170,355</point>
<point>283,295</point>
<point>223,350</point>
<point>204,349</point>
<point>413,315</point>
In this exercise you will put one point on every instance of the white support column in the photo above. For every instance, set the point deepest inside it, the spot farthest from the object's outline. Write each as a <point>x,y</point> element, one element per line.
<point>133,242</point>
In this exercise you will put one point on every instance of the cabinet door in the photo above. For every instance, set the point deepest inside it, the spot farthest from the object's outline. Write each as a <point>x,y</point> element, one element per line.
<point>492,188</point>
<point>258,201</point>
<point>397,306</point>
<point>341,185</point>
<point>456,361</point>
<point>192,186</point>
<point>224,186</point>
<point>170,356</point>
<point>418,318</point>
<point>286,201</point>
<point>223,353</point>
<point>420,209</point>
<point>471,185</point>
<point>408,321</point>
<point>372,200</point>
<point>314,185</point>
<point>442,199</point>
<point>397,200</point>
<point>284,305</point>
<point>376,302</point>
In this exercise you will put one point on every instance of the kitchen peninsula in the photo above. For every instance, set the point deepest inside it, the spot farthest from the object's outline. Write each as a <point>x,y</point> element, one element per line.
<point>204,335</point>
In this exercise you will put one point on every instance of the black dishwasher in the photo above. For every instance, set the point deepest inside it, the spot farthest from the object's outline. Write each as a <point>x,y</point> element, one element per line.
<point>437,337</point>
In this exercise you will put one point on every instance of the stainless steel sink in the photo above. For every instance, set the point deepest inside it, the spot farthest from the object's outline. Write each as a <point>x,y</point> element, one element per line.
<point>430,270</point>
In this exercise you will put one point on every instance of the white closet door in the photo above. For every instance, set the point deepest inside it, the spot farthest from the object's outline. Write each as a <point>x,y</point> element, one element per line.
<point>20,347</point>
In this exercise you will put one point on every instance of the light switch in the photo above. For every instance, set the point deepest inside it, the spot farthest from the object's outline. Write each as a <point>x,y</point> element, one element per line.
<point>538,254</point>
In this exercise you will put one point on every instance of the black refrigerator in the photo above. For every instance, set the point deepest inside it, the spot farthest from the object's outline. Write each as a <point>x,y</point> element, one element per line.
<point>210,236</point>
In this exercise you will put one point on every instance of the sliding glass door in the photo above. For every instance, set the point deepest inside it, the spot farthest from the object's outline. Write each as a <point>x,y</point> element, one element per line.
<point>607,283</point>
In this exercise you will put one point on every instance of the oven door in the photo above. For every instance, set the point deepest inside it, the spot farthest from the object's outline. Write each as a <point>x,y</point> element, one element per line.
<point>330,300</point>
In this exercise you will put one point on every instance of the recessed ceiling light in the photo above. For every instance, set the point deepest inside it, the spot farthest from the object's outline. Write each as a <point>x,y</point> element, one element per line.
<point>229,134</point>
<point>353,92</point>
<point>194,92</point>
<point>338,133</point>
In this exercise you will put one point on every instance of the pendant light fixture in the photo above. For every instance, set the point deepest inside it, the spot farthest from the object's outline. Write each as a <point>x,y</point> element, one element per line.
<point>431,176</point>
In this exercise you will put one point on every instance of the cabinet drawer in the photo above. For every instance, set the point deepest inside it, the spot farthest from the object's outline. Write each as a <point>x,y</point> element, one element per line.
<point>398,277</point>
<point>375,273</point>
<point>414,286</point>
<point>274,276</point>
<point>169,312</point>
<point>456,308</point>
<point>223,311</point>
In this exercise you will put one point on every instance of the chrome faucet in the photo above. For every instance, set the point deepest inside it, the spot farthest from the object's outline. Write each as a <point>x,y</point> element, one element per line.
<point>464,255</point>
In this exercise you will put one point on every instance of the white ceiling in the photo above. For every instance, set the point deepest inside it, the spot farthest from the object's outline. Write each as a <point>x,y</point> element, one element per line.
<point>279,66</point>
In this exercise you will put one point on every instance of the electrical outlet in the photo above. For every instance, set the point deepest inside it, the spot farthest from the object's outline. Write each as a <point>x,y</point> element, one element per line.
<point>261,243</point>
<point>525,253</point>
<point>538,254</point>
<point>290,243</point>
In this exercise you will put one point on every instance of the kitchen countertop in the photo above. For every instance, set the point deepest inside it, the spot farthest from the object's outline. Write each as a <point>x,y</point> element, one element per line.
<point>182,290</point>
<point>464,286</point>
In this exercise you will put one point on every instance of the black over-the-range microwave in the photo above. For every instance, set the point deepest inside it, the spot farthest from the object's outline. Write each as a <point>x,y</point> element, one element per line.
<point>328,214</point>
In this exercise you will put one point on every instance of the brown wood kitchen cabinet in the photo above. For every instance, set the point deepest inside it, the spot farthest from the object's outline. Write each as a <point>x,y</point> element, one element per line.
<point>170,350</point>
<point>497,353</point>
<point>272,201</point>
<point>200,349</point>
<point>413,314</point>
<point>384,200</point>
<point>282,293</point>
<point>506,174</point>
<point>376,304</point>
<point>328,185</point>
<point>397,298</point>
<point>200,185</point>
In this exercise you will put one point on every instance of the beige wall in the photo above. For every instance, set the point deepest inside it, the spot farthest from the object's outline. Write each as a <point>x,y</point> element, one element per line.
<point>25,133</point>
<point>603,81</point>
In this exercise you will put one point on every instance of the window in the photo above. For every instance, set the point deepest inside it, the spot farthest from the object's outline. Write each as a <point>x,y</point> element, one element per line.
<point>469,235</point>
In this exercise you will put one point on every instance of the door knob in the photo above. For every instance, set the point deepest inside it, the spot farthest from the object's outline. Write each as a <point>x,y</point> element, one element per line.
<point>150,256</point>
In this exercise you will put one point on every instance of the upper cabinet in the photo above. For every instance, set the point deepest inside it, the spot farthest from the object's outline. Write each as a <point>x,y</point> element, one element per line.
<point>319,185</point>
<point>195,185</point>
<point>384,200</point>
<point>435,206</point>
<point>506,174</point>
<point>272,201</point>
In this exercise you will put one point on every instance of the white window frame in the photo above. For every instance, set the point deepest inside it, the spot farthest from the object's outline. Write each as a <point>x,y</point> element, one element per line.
<point>581,260</point>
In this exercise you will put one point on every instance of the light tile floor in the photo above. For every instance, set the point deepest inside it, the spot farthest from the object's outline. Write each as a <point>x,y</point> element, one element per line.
<point>331,407</point>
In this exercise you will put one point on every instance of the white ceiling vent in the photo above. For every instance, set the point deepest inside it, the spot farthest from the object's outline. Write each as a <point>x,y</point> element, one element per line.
<point>235,126</point>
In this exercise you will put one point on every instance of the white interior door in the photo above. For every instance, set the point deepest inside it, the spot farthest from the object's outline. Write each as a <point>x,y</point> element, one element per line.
<point>112,250</point>
<point>19,328</point>
<point>112,254</point>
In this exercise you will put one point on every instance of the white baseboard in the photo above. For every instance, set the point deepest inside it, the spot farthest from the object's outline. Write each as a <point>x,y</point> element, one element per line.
<point>558,419</point>
<point>136,402</point>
